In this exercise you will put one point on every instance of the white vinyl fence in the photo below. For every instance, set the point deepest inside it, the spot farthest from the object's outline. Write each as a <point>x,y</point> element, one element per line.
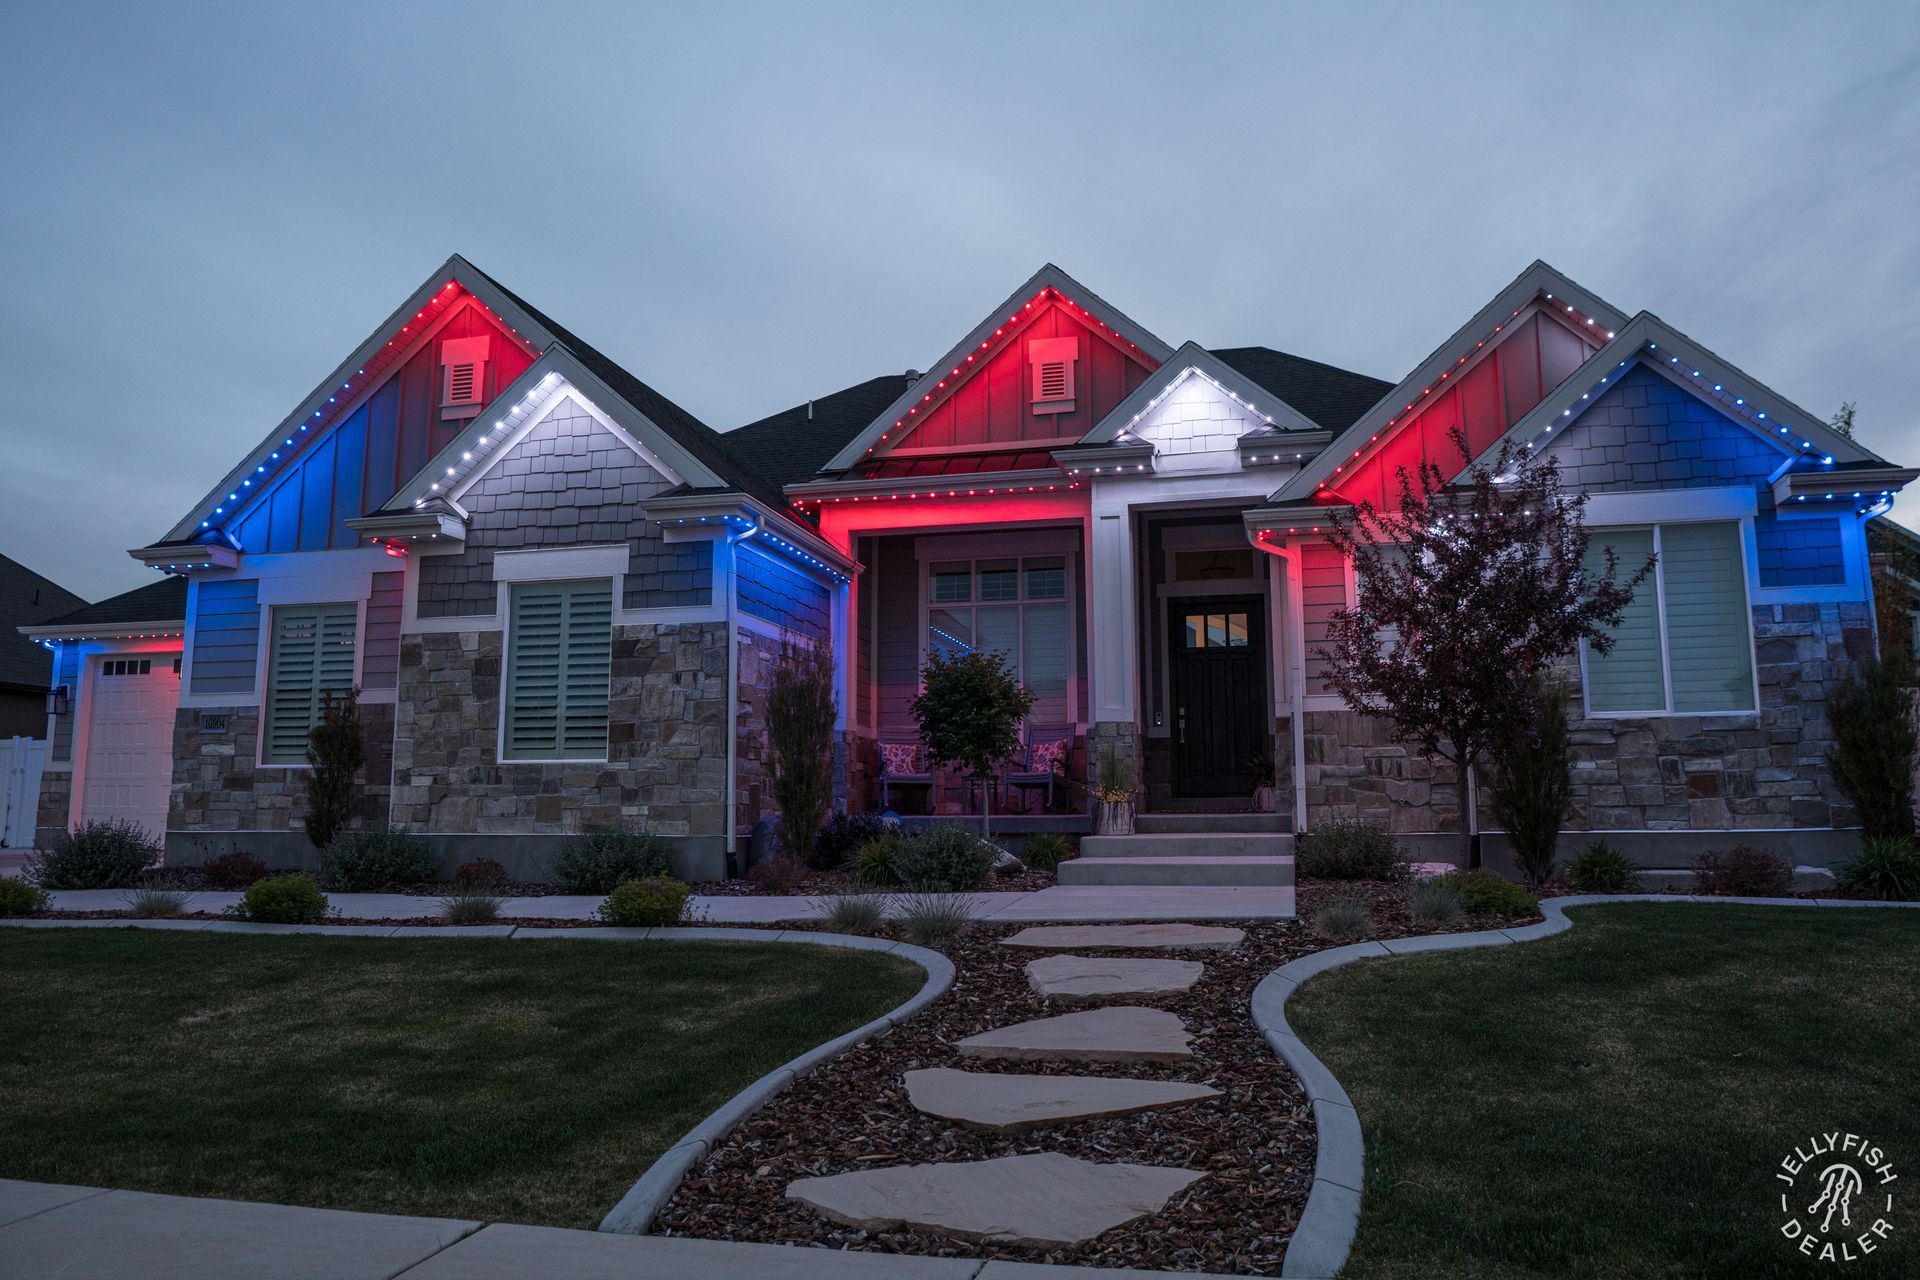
<point>21,760</point>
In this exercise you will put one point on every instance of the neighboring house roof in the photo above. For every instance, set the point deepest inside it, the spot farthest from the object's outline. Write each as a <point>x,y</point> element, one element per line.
<point>164,601</point>
<point>28,599</point>
<point>790,446</point>
<point>1333,397</point>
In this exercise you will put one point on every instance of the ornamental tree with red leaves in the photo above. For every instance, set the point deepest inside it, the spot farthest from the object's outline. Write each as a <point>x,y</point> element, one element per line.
<point>1469,589</point>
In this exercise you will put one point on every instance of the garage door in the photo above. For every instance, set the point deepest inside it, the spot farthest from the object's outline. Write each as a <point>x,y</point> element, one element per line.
<point>130,741</point>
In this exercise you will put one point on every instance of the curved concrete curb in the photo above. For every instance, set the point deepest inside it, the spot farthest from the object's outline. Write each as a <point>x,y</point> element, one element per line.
<point>644,1200</point>
<point>1320,1243</point>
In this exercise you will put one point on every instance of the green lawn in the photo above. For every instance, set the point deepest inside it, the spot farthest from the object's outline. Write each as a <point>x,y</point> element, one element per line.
<point>1615,1101</point>
<point>518,1081</point>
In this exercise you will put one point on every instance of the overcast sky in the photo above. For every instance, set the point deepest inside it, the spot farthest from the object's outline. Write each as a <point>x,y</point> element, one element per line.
<point>207,208</point>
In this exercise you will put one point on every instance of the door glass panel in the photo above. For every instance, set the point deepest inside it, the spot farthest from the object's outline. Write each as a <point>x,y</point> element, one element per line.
<point>1196,624</point>
<point>1236,630</point>
<point>1216,631</point>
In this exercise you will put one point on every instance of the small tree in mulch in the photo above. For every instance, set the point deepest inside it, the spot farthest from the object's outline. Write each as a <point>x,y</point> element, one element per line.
<point>1482,583</point>
<point>970,707</point>
<point>800,714</point>
<point>335,750</point>
<point>1872,755</point>
<point>1530,783</point>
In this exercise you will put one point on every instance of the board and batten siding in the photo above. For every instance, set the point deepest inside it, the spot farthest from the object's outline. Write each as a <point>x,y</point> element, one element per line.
<point>226,636</point>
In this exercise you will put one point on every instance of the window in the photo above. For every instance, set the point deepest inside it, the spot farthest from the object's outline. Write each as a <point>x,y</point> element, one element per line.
<point>1215,630</point>
<point>312,655</point>
<point>129,667</point>
<point>1016,607</point>
<point>559,669</point>
<point>1214,566</point>
<point>1684,645</point>
<point>1051,362</point>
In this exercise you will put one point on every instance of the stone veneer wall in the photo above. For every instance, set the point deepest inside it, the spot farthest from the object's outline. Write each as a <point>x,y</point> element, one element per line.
<point>218,789</point>
<point>1684,773</point>
<point>1123,739</point>
<point>666,765</point>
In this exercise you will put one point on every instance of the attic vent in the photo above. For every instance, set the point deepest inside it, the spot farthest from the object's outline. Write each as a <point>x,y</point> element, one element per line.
<point>1052,361</point>
<point>463,365</point>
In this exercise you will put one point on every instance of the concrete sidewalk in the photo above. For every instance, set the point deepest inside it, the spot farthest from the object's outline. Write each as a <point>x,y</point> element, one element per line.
<point>1058,904</point>
<point>50,1232</point>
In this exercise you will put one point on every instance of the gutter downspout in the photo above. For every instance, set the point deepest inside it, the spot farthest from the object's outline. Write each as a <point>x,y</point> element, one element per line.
<point>733,687</point>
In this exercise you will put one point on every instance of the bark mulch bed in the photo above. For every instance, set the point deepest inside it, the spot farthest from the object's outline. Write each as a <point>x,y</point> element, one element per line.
<point>1255,1143</point>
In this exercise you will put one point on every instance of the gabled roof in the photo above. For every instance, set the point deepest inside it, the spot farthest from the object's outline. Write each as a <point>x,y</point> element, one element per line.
<point>1650,340</point>
<point>792,445</point>
<point>1307,378</point>
<point>163,602</point>
<point>1537,279</point>
<point>26,599</point>
<point>1331,396</point>
<point>929,384</point>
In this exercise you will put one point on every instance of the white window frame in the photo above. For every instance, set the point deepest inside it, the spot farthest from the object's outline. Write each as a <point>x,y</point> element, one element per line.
<point>1744,538</point>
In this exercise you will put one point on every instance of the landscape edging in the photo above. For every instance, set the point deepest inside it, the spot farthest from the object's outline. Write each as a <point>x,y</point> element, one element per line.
<point>643,1201</point>
<point>1327,1224</point>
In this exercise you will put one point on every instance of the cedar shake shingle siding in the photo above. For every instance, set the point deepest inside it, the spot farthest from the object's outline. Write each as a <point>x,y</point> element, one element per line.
<point>570,482</point>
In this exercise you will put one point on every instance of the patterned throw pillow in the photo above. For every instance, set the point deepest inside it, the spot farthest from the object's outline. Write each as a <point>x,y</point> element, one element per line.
<point>1051,757</point>
<point>898,757</point>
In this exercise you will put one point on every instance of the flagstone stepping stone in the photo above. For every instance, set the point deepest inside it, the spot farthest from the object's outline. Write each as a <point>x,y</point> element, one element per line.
<point>1044,1199</point>
<point>1144,937</point>
<point>1080,979</point>
<point>1119,1033</point>
<point>987,1100</point>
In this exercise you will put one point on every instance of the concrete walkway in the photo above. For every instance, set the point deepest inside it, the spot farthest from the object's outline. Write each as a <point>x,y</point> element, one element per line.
<point>1063,903</point>
<point>53,1232</point>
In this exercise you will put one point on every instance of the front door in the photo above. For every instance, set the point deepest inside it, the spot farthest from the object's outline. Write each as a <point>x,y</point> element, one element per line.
<point>1219,652</point>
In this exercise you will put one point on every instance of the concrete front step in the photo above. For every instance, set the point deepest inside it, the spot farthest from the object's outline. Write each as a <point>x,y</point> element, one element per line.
<point>1157,824</point>
<point>1189,844</point>
<point>1186,869</point>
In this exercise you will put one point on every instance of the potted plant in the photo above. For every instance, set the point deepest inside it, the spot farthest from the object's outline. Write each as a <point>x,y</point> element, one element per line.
<point>1266,795</point>
<point>1113,796</point>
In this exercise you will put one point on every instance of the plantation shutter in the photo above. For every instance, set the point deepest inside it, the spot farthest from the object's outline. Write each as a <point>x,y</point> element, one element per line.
<point>1708,627</point>
<point>312,654</point>
<point>1630,678</point>
<point>559,666</point>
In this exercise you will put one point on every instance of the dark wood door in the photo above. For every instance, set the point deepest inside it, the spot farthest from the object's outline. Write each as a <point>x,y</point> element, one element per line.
<point>1219,677</point>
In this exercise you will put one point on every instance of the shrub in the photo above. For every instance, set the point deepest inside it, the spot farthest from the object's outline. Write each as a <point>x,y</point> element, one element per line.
<point>1886,867</point>
<point>944,858</point>
<point>873,861</point>
<point>473,904</point>
<point>1601,868</point>
<point>1045,851</point>
<point>159,898</point>
<point>234,870</point>
<point>1742,872</point>
<point>481,873</point>
<point>335,752</point>
<point>95,855</point>
<point>842,835</point>
<point>929,919</point>
<point>599,861</point>
<point>293,899</point>
<point>1530,782</point>
<point>20,897</point>
<point>1343,918</point>
<point>1435,902</point>
<point>645,903</point>
<point>1483,893</point>
<point>856,912</point>
<point>367,861</point>
<point>1872,757</point>
<point>800,714</point>
<point>1351,849</point>
<point>778,874</point>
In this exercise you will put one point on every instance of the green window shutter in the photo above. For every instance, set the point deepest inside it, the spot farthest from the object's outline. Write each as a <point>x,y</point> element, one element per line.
<point>1631,677</point>
<point>559,669</point>
<point>312,652</point>
<point>1708,625</point>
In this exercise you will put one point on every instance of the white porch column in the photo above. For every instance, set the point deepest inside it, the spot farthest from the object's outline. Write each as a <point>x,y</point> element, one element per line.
<point>1113,630</point>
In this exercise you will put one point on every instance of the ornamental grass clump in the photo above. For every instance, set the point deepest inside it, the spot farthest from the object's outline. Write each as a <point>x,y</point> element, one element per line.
<point>855,911</point>
<point>95,855</point>
<point>369,861</point>
<point>1045,851</point>
<point>1435,902</point>
<point>931,919</point>
<point>648,902</point>
<point>1343,918</point>
<point>290,899</point>
<point>599,860</point>
<point>158,897</point>
<point>1601,868</point>
<point>473,905</point>
<point>1886,867</point>
<point>872,863</point>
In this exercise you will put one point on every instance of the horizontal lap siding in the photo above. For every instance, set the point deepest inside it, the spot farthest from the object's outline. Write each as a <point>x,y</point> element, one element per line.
<point>226,636</point>
<point>380,654</point>
<point>66,672</point>
<point>1323,591</point>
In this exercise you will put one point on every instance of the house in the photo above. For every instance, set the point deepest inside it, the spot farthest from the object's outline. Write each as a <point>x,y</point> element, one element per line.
<point>560,594</point>
<point>26,669</point>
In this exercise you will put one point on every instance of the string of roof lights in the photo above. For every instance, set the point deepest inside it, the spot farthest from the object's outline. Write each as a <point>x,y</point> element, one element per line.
<point>976,492</point>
